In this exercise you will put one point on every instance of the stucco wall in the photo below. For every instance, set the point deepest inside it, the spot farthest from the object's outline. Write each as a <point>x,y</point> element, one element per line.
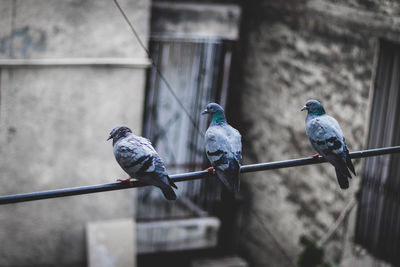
<point>54,122</point>
<point>294,51</point>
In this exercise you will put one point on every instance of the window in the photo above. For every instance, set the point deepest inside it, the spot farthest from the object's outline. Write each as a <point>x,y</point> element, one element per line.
<point>197,70</point>
<point>192,46</point>
<point>378,221</point>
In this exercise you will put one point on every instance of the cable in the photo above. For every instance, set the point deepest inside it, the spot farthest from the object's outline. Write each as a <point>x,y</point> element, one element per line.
<point>169,87</point>
<point>274,239</point>
<point>332,229</point>
<point>184,177</point>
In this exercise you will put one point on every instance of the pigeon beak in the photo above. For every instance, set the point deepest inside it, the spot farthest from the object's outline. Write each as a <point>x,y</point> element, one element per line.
<point>204,112</point>
<point>109,137</point>
<point>303,108</point>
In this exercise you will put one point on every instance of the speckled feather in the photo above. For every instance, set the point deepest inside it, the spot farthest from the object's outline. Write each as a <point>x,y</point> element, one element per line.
<point>224,151</point>
<point>139,159</point>
<point>327,139</point>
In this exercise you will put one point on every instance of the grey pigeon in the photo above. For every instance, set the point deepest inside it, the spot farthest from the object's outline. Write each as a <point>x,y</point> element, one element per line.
<point>327,139</point>
<point>139,159</point>
<point>223,147</point>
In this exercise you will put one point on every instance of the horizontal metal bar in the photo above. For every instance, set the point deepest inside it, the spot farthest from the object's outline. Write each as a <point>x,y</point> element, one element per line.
<point>184,177</point>
<point>76,62</point>
<point>187,38</point>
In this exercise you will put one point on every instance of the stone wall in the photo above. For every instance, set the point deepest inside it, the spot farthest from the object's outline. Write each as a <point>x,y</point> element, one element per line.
<point>54,122</point>
<point>293,51</point>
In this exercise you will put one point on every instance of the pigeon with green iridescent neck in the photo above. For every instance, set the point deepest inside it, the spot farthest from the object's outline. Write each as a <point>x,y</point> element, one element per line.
<point>223,148</point>
<point>139,159</point>
<point>327,139</point>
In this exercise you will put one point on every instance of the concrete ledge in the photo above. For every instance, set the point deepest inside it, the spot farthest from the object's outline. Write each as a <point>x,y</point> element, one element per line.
<point>194,19</point>
<point>186,234</point>
<point>65,62</point>
<point>111,243</point>
<point>230,261</point>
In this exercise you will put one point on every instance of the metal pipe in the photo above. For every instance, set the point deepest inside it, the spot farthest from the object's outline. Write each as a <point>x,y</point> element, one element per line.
<point>184,177</point>
<point>76,62</point>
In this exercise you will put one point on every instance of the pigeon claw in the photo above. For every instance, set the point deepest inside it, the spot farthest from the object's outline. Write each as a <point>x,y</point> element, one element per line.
<point>210,170</point>
<point>316,156</point>
<point>124,180</point>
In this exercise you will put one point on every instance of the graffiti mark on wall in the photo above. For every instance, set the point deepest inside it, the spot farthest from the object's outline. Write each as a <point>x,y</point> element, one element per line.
<point>22,41</point>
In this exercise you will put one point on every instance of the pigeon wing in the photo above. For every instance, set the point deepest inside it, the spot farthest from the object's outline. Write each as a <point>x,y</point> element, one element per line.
<point>223,149</point>
<point>134,156</point>
<point>235,139</point>
<point>327,138</point>
<point>137,157</point>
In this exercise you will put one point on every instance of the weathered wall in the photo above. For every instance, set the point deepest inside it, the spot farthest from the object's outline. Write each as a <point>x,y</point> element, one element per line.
<point>195,20</point>
<point>54,122</point>
<point>294,51</point>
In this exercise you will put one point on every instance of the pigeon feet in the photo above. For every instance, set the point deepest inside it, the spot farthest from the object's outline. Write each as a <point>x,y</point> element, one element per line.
<point>124,180</point>
<point>210,170</point>
<point>316,156</point>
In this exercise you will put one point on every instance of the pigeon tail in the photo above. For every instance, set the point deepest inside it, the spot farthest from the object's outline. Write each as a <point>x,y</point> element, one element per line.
<point>171,183</point>
<point>232,183</point>
<point>236,183</point>
<point>349,164</point>
<point>347,158</point>
<point>166,188</point>
<point>161,181</point>
<point>168,192</point>
<point>342,179</point>
<point>230,177</point>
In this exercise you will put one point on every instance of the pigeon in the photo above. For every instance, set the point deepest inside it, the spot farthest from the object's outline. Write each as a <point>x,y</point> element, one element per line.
<point>223,148</point>
<point>139,159</point>
<point>327,139</point>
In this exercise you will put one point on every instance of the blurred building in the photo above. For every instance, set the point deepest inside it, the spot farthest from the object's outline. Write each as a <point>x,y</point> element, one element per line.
<point>72,70</point>
<point>343,53</point>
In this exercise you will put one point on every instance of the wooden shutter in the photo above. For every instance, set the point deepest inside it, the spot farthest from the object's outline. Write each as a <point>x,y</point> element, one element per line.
<point>378,222</point>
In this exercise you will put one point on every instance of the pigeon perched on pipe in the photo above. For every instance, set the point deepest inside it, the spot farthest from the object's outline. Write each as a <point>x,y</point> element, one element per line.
<point>139,159</point>
<point>327,139</point>
<point>223,148</point>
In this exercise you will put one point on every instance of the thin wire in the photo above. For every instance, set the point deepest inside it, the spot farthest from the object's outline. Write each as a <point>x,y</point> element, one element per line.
<point>169,87</point>
<point>184,177</point>
<point>332,229</point>
<point>274,239</point>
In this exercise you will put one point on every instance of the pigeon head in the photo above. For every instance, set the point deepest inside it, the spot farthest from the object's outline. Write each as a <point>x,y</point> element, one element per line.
<point>119,132</point>
<point>314,107</point>
<point>216,112</point>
